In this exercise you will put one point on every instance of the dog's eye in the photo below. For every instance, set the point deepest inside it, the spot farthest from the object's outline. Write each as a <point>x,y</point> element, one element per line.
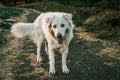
<point>54,26</point>
<point>62,25</point>
<point>67,30</point>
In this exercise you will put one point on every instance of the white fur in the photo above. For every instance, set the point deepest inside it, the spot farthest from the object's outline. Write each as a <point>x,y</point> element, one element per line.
<point>22,29</point>
<point>40,31</point>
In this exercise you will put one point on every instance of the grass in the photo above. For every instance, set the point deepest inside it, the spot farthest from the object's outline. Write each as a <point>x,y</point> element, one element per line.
<point>79,13</point>
<point>103,22</point>
<point>9,12</point>
<point>88,59</point>
<point>6,14</point>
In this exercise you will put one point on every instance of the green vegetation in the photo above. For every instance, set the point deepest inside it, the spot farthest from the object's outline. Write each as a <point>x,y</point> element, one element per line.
<point>113,4</point>
<point>6,15</point>
<point>9,12</point>
<point>90,57</point>
<point>104,22</point>
<point>2,37</point>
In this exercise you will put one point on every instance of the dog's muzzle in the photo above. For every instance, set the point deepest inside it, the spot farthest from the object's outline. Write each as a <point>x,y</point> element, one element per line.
<point>60,38</point>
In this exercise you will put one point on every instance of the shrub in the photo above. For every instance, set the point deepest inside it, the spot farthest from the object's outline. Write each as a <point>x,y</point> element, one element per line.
<point>105,24</point>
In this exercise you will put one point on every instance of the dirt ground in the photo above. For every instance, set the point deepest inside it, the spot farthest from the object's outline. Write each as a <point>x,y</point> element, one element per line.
<point>89,58</point>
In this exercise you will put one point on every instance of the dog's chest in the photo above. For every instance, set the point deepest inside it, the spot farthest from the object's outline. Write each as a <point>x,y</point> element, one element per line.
<point>56,45</point>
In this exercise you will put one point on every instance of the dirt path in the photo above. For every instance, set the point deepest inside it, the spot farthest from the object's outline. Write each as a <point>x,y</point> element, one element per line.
<point>89,58</point>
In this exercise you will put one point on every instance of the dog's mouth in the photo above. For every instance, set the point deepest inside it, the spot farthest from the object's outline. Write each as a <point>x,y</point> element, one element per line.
<point>60,41</point>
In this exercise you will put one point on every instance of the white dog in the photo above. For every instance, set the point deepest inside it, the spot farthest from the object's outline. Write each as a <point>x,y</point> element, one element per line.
<point>53,28</point>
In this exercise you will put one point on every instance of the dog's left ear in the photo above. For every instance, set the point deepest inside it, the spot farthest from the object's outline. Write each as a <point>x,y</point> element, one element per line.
<point>68,17</point>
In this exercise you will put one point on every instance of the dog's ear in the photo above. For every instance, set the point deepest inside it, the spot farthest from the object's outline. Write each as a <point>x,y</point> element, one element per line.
<point>68,18</point>
<point>49,20</point>
<point>37,21</point>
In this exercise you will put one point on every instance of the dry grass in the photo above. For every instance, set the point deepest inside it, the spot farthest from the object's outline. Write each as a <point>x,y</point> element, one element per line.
<point>89,58</point>
<point>105,23</point>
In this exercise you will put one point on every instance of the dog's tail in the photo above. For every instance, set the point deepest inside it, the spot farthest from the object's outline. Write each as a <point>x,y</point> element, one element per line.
<point>21,30</point>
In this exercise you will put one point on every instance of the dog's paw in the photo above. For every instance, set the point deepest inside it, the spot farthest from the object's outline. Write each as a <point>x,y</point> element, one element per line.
<point>52,71</point>
<point>39,60</point>
<point>65,69</point>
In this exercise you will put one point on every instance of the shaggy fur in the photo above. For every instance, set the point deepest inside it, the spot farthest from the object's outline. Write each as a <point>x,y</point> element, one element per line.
<point>53,28</point>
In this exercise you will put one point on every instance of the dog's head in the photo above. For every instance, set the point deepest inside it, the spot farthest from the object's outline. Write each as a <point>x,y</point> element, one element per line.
<point>60,25</point>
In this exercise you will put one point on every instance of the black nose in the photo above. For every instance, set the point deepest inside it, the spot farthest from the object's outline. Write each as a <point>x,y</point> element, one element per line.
<point>59,36</point>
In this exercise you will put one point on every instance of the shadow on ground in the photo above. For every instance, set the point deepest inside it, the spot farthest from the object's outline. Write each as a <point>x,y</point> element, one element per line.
<point>88,59</point>
<point>84,62</point>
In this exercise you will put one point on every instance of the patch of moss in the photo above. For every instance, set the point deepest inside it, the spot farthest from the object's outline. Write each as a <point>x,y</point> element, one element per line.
<point>8,12</point>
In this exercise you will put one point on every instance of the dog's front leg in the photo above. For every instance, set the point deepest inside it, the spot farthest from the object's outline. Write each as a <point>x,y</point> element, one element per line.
<point>51,60</point>
<point>64,56</point>
<point>39,58</point>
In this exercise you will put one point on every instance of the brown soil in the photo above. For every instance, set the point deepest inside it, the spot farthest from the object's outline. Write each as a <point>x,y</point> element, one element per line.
<point>89,58</point>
